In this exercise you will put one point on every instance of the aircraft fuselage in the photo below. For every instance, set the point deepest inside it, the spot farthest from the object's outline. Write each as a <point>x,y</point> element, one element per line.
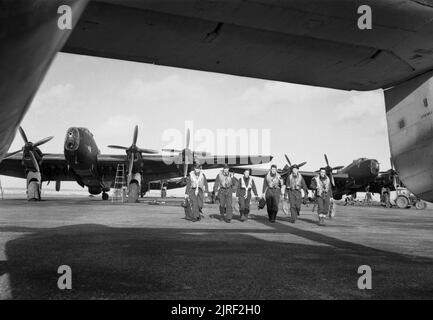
<point>362,171</point>
<point>81,154</point>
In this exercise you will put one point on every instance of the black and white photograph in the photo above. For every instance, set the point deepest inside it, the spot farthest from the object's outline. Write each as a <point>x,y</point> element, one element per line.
<point>216,154</point>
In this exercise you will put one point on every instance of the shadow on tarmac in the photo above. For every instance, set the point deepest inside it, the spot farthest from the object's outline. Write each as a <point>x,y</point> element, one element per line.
<point>168,263</point>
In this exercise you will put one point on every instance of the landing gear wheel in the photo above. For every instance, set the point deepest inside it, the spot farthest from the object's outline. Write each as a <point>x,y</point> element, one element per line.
<point>420,205</point>
<point>104,196</point>
<point>34,191</point>
<point>133,192</point>
<point>402,202</point>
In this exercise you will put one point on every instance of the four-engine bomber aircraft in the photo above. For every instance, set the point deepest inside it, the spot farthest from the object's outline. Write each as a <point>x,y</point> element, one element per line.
<point>82,162</point>
<point>347,180</point>
<point>323,43</point>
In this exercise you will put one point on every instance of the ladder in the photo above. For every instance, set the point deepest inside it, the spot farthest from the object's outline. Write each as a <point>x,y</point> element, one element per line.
<point>119,193</point>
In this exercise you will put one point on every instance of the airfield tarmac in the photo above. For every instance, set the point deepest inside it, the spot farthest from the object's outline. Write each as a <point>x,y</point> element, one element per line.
<point>142,251</point>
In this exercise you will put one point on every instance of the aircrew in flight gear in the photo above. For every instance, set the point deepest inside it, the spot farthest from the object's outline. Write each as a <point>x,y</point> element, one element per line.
<point>196,190</point>
<point>223,189</point>
<point>245,188</point>
<point>272,191</point>
<point>294,184</point>
<point>322,185</point>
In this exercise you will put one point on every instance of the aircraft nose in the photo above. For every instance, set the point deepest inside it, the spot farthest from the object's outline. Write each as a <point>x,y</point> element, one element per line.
<point>72,140</point>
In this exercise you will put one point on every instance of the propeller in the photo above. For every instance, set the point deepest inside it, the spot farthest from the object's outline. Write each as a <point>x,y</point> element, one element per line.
<point>187,154</point>
<point>288,167</point>
<point>133,149</point>
<point>330,169</point>
<point>290,164</point>
<point>186,159</point>
<point>394,175</point>
<point>29,147</point>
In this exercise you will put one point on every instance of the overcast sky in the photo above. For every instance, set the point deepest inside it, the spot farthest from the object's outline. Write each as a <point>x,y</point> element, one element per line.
<point>109,97</point>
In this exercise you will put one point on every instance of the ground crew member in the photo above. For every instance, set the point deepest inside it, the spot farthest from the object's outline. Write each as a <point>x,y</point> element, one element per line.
<point>163,190</point>
<point>294,184</point>
<point>322,186</point>
<point>223,189</point>
<point>349,200</point>
<point>368,198</point>
<point>196,190</point>
<point>385,192</point>
<point>245,188</point>
<point>272,191</point>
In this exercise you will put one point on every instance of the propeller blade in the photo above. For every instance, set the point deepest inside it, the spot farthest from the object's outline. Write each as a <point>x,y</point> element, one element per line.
<point>287,158</point>
<point>181,181</point>
<point>35,163</point>
<point>131,164</point>
<point>185,169</point>
<point>171,150</point>
<point>302,164</point>
<point>23,135</point>
<point>326,159</point>
<point>151,151</point>
<point>186,156</point>
<point>338,168</point>
<point>285,171</point>
<point>332,179</point>
<point>9,155</point>
<point>117,147</point>
<point>134,138</point>
<point>188,136</point>
<point>41,142</point>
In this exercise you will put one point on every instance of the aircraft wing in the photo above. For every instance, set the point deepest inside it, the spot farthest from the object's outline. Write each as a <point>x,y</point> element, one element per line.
<point>53,167</point>
<point>211,162</point>
<point>340,178</point>
<point>255,172</point>
<point>161,167</point>
<point>111,159</point>
<point>313,42</point>
<point>173,183</point>
<point>384,179</point>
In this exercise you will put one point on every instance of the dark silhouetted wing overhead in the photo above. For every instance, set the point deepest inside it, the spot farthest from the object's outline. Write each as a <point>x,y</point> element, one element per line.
<point>307,42</point>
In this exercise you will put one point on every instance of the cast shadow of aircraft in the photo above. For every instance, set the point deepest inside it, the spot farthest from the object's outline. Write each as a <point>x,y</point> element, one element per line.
<point>203,263</point>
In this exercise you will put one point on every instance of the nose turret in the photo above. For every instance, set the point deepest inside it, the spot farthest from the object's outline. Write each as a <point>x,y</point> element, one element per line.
<point>374,167</point>
<point>72,140</point>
